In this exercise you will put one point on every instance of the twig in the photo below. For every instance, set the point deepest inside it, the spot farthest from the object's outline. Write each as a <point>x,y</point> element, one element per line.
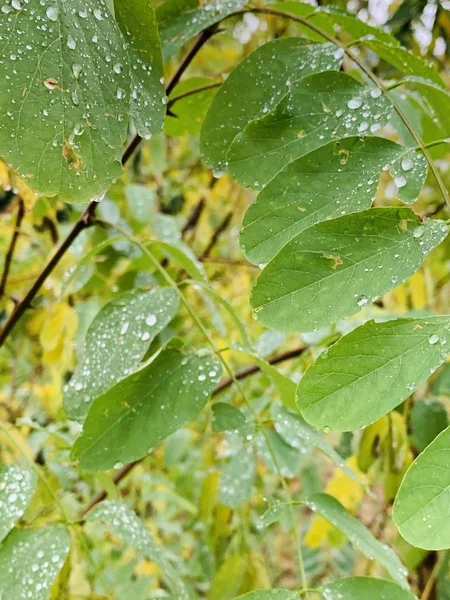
<point>83,223</point>
<point>430,585</point>
<point>226,383</point>
<point>202,88</point>
<point>216,235</point>
<point>228,261</point>
<point>12,246</point>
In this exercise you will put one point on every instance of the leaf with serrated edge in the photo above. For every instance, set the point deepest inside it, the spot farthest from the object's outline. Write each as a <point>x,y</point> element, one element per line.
<point>265,75</point>
<point>421,506</point>
<point>64,107</point>
<point>340,178</point>
<point>137,21</point>
<point>134,416</point>
<point>333,269</point>
<point>333,511</point>
<point>318,109</point>
<point>17,486</point>
<point>116,342</point>
<point>372,370</point>
<point>30,560</point>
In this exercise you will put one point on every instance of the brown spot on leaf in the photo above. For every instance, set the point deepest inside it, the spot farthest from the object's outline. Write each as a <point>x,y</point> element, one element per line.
<point>337,260</point>
<point>403,225</point>
<point>71,155</point>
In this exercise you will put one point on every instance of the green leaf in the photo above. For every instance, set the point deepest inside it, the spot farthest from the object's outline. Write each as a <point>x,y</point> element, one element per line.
<point>137,21</point>
<point>371,370</point>
<point>288,458</point>
<point>237,477</point>
<point>336,267</point>
<point>189,109</point>
<point>116,342</point>
<point>64,110</point>
<point>265,75</point>
<point>181,20</point>
<point>133,417</point>
<point>339,178</point>
<point>436,102</point>
<point>404,61</point>
<point>333,511</point>
<point>369,588</point>
<point>318,109</point>
<point>141,200</point>
<point>17,486</point>
<point>298,434</point>
<point>428,419</point>
<point>442,384</point>
<point>131,530</point>
<point>30,560</point>
<point>227,417</point>
<point>275,594</point>
<point>421,507</point>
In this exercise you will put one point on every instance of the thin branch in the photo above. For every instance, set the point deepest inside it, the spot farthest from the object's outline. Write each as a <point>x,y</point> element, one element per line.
<point>228,261</point>
<point>12,246</point>
<point>83,222</point>
<point>216,235</point>
<point>202,88</point>
<point>226,383</point>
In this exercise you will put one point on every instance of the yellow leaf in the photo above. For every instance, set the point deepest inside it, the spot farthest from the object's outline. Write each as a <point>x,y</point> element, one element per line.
<point>208,495</point>
<point>417,286</point>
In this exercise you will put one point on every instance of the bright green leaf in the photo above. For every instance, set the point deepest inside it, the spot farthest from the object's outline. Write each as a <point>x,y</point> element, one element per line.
<point>340,178</point>
<point>265,76</point>
<point>123,523</point>
<point>133,417</point>
<point>318,109</point>
<point>17,486</point>
<point>371,370</point>
<point>137,20</point>
<point>367,588</point>
<point>30,560</point>
<point>421,507</point>
<point>333,511</point>
<point>336,267</point>
<point>64,97</point>
<point>116,342</point>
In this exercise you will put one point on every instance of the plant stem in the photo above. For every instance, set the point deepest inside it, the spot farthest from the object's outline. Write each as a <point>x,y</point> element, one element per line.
<point>202,88</point>
<point>12,246</point>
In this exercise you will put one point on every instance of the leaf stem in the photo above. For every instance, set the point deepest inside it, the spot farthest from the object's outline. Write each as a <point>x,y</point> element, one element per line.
<point>12,246</point>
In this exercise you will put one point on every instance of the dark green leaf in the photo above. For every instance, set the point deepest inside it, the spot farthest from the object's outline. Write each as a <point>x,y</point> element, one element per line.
<point>64,96</point>
<point>371,370</point>
<point>340,178</point>
<point>17,486</point>
<point>442,384</point>
<point>30,560</point>
<point>133,417</point>
<point>318,109</point>
<point>265,76</point>
<point>421,507</point>
<point>333,511</point>
<point>123,523</point>
<point>227,417</point>
<point>116,342</point>
<point>428,419</point>
<point>367,588</point>
<point>334,268</point>
<point>137,21</point>
<point>181,20</point>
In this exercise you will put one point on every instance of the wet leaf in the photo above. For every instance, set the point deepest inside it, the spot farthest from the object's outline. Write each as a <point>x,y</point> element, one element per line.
<point>17,486</point>
<point>227,417</point>
<point>369,588</point>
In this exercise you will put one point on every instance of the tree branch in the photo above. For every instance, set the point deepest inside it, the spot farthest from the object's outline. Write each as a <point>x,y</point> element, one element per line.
<point>12,246</point>
<point>226,383</point>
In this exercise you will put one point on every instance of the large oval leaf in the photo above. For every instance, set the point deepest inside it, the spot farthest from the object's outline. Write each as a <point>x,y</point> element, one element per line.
<point>123,523</point>
<point>333,511</point>
<point>265,76</point>
<point>17,486</point>
<point>421,507</point>
<point>116,342</point>
<point>340,178</point>
<point>371,370</point>
<point>336,267</point>
<point>137,21</point>
<point>367,588</point>
<point>64,106</point>
<point>318,109</point>
<point>129,420</point>
<point>30,560</point>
